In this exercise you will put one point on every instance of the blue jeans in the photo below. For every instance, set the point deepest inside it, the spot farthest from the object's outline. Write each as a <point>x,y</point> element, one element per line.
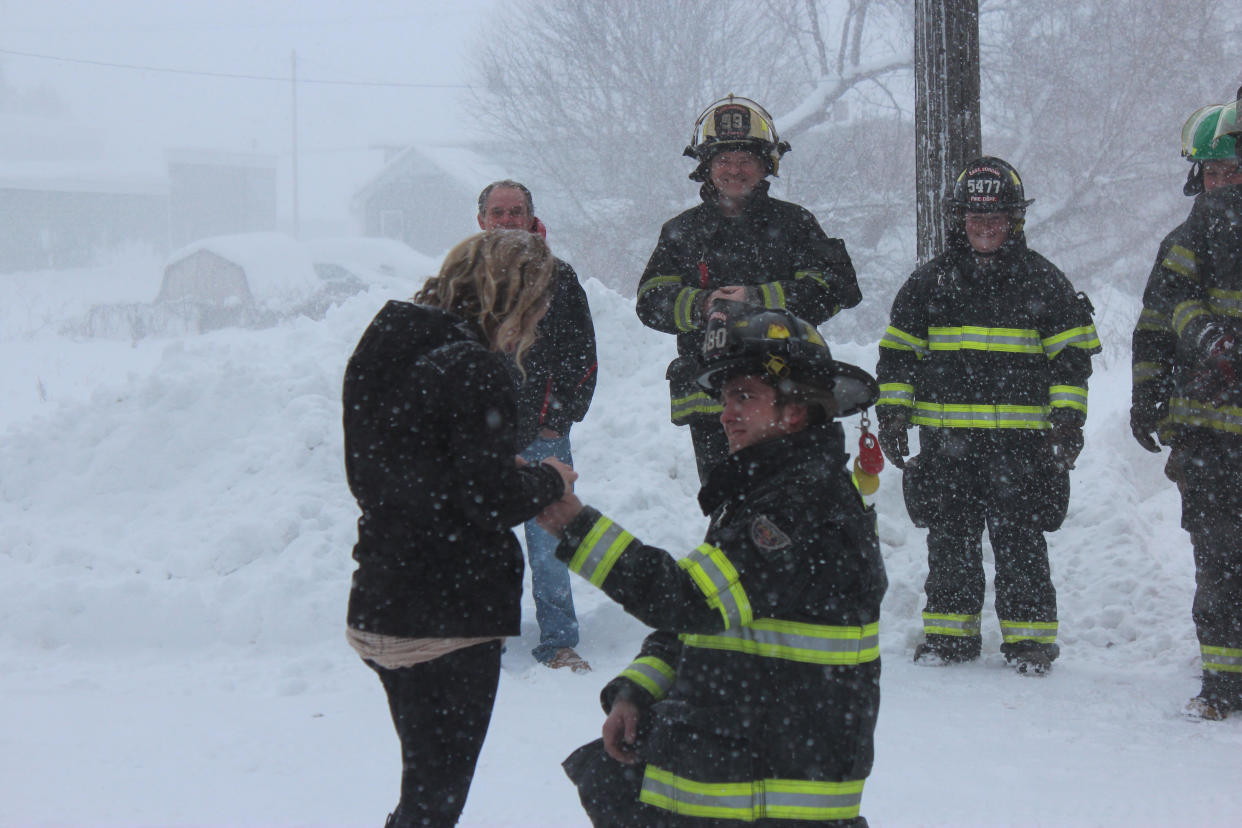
<point>554,602</point>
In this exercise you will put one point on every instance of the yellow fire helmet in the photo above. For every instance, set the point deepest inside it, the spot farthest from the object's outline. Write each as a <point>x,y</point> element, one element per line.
<point>732,123</point>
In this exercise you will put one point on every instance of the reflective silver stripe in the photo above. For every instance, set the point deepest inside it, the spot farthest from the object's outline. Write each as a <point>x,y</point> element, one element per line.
<point>657,282</point>
<point>1185,312</point>
<point>1043,632</point>
<point>977,338</point>
<point>1150,320</point>
<point>651,674</point>
<point>682,308</point>
<point>1148,371</point>
<point>940,623</point>
<point>697,403</point>
<point>599,550</point>
<point>796,799</point>
<point>1084,337</point>
<point>896,393</point>
<point>1181,260</point>
<point>900,340</point>
<point>1225,302</point>
<point>716,577</point>
<point>1068,396</point>
<point>795,641</point>
<point>1222,659</point>
<point>1203,415</point>
<point>979,415</point>
<point>773,294</point>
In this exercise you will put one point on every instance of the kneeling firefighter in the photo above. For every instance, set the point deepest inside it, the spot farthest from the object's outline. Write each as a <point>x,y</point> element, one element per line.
<point>768,631</point>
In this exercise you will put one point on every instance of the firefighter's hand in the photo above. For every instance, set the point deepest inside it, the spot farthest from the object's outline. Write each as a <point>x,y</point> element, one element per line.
<point>728,293</point>
<point>568,475</point>
<point>621,732</point>
<point>894,442</point>
<point>1143,427</point>
<point>555,517</point>
<point>1065,440</point>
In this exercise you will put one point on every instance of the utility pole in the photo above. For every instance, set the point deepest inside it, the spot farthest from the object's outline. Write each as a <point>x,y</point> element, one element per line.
<point>946,109</point>
<point>293,83</point>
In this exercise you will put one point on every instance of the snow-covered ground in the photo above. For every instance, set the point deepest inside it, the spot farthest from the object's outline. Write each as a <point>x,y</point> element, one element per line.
<point>175,533</point>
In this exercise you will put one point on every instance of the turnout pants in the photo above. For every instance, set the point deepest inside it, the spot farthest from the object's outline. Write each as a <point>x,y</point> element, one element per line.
<point>441,710</point>
<point>969,480</point>
<point>1210,481</point>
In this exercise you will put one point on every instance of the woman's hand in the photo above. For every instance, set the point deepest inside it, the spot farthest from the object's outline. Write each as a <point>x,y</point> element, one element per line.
<point>560,514</point>
<point>568,475</point>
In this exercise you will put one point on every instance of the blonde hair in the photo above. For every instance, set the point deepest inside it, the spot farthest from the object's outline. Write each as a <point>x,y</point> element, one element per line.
<point>501,280</point>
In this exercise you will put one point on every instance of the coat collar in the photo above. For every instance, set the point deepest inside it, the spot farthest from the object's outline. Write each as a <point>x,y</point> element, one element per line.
<point>743,472</point>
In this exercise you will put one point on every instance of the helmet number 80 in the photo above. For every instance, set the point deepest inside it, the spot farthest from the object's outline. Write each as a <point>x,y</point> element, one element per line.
<point>714,340</point>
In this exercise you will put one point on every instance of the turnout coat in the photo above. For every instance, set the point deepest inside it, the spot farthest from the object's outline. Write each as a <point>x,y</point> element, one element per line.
<point>776,249</point>
<point>763,675</point>
<point>430,418</point>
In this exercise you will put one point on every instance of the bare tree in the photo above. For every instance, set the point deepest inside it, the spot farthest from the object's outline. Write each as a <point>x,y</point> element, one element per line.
<point>594,101</point>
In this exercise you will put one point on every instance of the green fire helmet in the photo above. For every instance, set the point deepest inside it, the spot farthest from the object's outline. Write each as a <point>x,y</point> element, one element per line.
<point>1202,141</point>
<point>1227,124</point>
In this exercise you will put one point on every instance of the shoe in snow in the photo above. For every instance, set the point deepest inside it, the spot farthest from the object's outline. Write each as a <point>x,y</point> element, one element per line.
<point>1034,663</point>
<point>928,655</point>
<point>568,657</point>
<point>1204,709</point>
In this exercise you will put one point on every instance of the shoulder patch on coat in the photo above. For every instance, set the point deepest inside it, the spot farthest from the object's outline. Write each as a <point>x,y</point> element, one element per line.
<point>767,535</point>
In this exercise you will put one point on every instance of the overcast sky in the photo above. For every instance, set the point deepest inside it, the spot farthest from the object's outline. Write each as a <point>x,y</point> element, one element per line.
<point>420,46</point>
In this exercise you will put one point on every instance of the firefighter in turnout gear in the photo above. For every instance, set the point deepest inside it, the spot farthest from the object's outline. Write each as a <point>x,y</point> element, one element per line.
<point>767,631</point>
<point>739,244</point>
<point>988,352</point>
<point>1187,391</point>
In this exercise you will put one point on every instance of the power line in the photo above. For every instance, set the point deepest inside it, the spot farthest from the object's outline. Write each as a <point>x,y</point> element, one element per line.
<point>236,75</point>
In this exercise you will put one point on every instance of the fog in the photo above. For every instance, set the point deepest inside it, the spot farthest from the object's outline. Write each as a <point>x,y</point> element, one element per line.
<point>78,104</point>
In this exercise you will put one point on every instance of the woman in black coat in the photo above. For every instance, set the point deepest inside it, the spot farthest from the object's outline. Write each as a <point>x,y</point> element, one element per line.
<point>430,423</point>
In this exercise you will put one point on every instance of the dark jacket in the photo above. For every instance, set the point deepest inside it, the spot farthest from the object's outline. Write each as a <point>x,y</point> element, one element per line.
<point>995,347</point>
<point>768,631</point>
<point>775,248</point>
<point>1194,286</point>
<point>560,366</point>
<point>430,437</point>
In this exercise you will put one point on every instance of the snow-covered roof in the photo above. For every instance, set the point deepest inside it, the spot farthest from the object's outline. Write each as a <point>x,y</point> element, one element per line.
<point>466,166</point>
<point>278,269</point>
<point>387,256</point>
<point>82,177</point>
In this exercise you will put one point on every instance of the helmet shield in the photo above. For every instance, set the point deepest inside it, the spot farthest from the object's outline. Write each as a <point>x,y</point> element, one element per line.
<point>1200,141</point>
<point>784,351</point>
<point>1227,125</point>
<point>988,185</point>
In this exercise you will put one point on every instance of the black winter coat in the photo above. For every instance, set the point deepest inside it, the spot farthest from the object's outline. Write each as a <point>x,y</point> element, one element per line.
<point>768,632</point>
<point>430,437</point>
<point>776,249</point>
<point>561,365</point>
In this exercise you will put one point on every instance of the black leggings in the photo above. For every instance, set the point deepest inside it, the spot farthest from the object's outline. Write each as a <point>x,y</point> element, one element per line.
<point>441,710</point>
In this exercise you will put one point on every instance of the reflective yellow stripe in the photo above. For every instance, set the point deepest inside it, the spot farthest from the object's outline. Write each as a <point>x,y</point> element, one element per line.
<point>652,674</point>
<point>801,799</point>
<point>1181,260</point>
<point>599,550</point>
<point>657,282</point>
<point>683,307</point>
<point>1043,632</point>
<point>1185,312</point>
<point>1068,396</point>
<point>899,340</point>
<point>716,577</point>
<point>1084,337</point>
<point>1221,659</point>
<point>699,402</point>
<point>1226,418</point>
<point>796,641</point>
<point>773,294</point>
<point>941,623</point>
<point>977,338</point>
<point>979,415</point>
<point>1147,371</point>
<point>1150,320</point>
<point>896,393</point>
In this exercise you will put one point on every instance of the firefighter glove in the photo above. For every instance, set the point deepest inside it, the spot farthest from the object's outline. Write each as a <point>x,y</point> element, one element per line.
<point>1065,440</point>
<point>893,440</point>
<point>1143,420</point>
